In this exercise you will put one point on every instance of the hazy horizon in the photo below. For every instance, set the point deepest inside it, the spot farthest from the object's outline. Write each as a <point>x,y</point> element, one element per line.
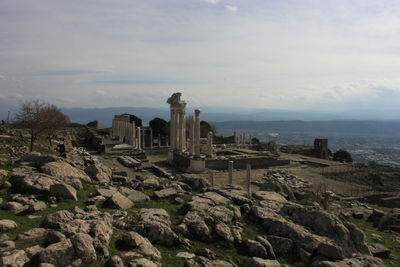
<point>291,55</point>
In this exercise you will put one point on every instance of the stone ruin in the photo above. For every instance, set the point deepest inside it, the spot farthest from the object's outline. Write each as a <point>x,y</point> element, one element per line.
<point>321,148</point>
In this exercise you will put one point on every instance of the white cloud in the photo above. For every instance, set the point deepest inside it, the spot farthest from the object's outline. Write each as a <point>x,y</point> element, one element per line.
<point>212,1</point>
<point>2,77</point>
<point>230,8</point>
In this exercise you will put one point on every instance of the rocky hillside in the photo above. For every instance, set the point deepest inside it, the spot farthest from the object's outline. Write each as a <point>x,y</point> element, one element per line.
<point>75,210</point>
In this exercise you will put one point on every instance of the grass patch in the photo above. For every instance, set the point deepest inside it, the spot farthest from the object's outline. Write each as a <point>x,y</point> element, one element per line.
<point>385,236</point>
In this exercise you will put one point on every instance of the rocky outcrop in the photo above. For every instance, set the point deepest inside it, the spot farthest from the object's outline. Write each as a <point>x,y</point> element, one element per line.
<point>7,225</point>
<point>64,171</point>
<point>99,172</point>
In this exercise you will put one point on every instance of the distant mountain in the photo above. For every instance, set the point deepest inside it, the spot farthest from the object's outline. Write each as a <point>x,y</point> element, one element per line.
<point>390,128</point>
<point>105,115</point>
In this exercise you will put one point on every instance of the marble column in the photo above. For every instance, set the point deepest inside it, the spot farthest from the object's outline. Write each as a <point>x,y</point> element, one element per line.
<point>139,138</point>
<point>209,143</point>
<point>182,129</point>
<point>180,136</point>
<point>197,133</point>
<point>159,140</point>
<point>172,129</point>
<point>230,172</point>
<point>191,135</point>
<point>112,128</point>
<point>151,138</point>
<point>143,141</point>
<point>176,130</point>
<point>248,178</point>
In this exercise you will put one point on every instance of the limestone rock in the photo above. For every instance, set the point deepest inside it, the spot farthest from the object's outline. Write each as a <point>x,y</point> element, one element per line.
<point>268,247</point>
<point>107,193</point>
<point>33,251</point>
<point>196,183</point>
<point>257,262</point>
<point>64,171</point>
<point>83,245</point>
<point>167,192</point>
<point>7,245</point>
<point>144,246</point>
<point>185,255</point>
<point>32,234</point>
<point>119,201</point>
<point>59,254</point>
<point>199,261</point>
<point>35,183</point>
<point>15,258</point>
<point>37,159</point>
<point>134,195</point>
<point>281,245</point>
<point>115,261</point>
<point>256,249</point>
<point>223,231</point>
<point>53,237</point>
<point>99,172</point>
<point>64,191</point>
<point>155,224</point>
<point>380,251</point>
<point>207,253</point>
<point>7,225</point>
<point>142,262</point>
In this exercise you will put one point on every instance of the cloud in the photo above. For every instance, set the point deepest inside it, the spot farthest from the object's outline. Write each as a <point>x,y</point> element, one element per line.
<point>137,82</point>
<point>67,72</point>
<point>2,77</point>
<point>230,8</point>
<point>212,1</point>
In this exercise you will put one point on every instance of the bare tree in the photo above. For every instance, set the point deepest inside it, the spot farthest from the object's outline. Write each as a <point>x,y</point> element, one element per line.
<point>40,118</point>
<point>55,120</point>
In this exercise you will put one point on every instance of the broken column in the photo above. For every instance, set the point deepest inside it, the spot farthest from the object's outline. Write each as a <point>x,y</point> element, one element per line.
<point>230,172</point>
<point>151,138</point>
<point>191,135</point>
<point>197,133</point>
<point>139,138</point>
<point>209,144</point>
<point>248,178</point>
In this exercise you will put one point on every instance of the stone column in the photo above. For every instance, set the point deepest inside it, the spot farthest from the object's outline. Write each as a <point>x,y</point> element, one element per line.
<point>230,172</point>
<point>210,143</point>
<point>134,133</point>
<point>176,130</point>
<point>244,138</point>
<point>143,142</point>
<point>197,133</point>
<point>183,140</point>
<point>180,135</point>
<point>139,138</point>
<point>248,179</point>
<point>112,128</point>
<point>171,129</point>
<point>159,140</point>
<point>191,135</point>
<point>211,179</point>
<point>151,138</point>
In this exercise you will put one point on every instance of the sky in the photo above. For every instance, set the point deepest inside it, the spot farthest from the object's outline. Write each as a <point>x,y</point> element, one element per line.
<point>265,54</point>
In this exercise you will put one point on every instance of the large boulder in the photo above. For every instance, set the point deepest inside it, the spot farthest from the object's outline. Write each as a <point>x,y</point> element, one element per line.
<point>60,254</point>
<point>155,224</point>
<point>133,195</point>
<point>7,225</point>
<point>15,258</point>
<point>119,201</point>
<point>64,171</point>
<point>63,191</point>
<point>134,240</point>
<point>35,183</point>
<point>258,262</point>
<point>99,172</point>
<point>84,249</point>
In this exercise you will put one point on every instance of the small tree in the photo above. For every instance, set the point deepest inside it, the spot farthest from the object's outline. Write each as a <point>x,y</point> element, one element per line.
<point>205,128</point>
<point>159,126</point>
<point>342,156</point>
<point>40,118</point>
<point>55,120</point>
